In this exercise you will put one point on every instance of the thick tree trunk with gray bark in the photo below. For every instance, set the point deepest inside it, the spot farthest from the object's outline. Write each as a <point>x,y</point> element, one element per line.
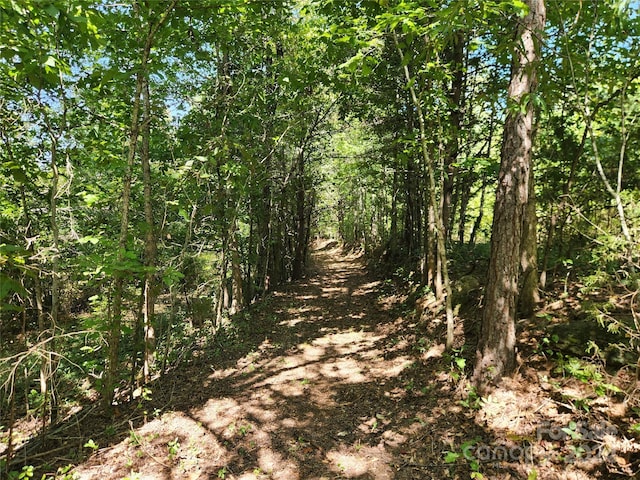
<point>496,353</point>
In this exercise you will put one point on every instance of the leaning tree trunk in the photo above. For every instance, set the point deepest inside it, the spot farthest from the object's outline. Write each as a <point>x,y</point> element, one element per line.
<point>496,355</point>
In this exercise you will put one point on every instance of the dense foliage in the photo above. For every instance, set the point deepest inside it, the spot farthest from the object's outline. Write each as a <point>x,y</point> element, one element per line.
<point>165,164</point>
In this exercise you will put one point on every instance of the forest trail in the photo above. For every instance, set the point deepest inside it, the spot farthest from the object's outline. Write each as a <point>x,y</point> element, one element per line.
<point>332,378</point>
<point>315,388</point>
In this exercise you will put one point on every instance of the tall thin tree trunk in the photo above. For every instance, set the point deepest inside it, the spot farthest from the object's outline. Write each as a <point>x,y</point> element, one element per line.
<point>38,301</point>
<point>496,353</point>
<point>440,231</point>
<point>264,225</point>
<point>300,237</point>
<point>455,123</point>
<point>393,232</point>
<point>118,289</point>
<point>249,290</point>
<point>111,375</point>
<point>311,205</point>
<point>50,357</point>
<point>559,215</point>
<point>223,293</point>
<point>150,242</point>
<point>478,221</point>
<point>465,198</point>
<point>237,295</point>
<point>431,249</point>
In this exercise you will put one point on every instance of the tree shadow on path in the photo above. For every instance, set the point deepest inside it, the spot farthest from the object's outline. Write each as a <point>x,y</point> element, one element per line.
<point>320,380</point>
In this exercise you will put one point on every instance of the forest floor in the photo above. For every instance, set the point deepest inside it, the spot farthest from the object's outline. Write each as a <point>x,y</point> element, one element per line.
<point>334,378</point>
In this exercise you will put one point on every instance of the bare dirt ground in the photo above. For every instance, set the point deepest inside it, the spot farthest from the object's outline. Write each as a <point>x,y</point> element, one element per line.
<point>332,379</point>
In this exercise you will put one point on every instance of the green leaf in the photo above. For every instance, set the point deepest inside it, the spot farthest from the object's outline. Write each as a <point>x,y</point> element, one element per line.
<point>89,198</point>
<point>52,11</point>
<point>9,285</point>
<point>92,445</point>
<point>183,213</point>
<point>451,457</point>
<point>89,239</point>
<point>51,62</point>
<point>19,175</point>
<point>171,276</point>
<point>521,7</point>
<point>612,388</point>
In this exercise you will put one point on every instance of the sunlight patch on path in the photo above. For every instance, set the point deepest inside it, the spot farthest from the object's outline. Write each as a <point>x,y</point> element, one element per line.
<point>345,370</point>
<point>290,406</point>
<point>366,289</point>
<point>193,455</point>
<point>356,462</point>
<point>334,292</point>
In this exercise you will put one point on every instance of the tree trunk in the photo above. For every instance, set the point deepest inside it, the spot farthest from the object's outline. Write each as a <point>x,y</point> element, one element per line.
<point>113,341</point>
<point>223,293</point>
<point>237,295</point>
<point>478,221</point>
<point>439,230</point>
<point>298,261</point>
<point>455,122</point>
<point>560,215</point>
<point>465,198</point>
<point>393,232</point>
<point>529,293</point>
<point>311,205</point>
<point>496,353</point>
<point>430,278</point>
<point>50,357</point>
<point>413,208</point>
<point>150,246</point>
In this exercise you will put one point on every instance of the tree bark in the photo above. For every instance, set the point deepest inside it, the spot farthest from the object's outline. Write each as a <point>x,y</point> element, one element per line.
<point>455,122</point>
<point>529,292</point>
<point>299,260</point>
<point>393,232</point>
<point>496,353</point>
<point>150,245</point>
<point>465,197</point>
<point>237,296</point>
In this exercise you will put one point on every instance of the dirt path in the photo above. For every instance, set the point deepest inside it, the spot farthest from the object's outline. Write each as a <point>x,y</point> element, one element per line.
<point>315,391</point>
<point>329,379</point>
